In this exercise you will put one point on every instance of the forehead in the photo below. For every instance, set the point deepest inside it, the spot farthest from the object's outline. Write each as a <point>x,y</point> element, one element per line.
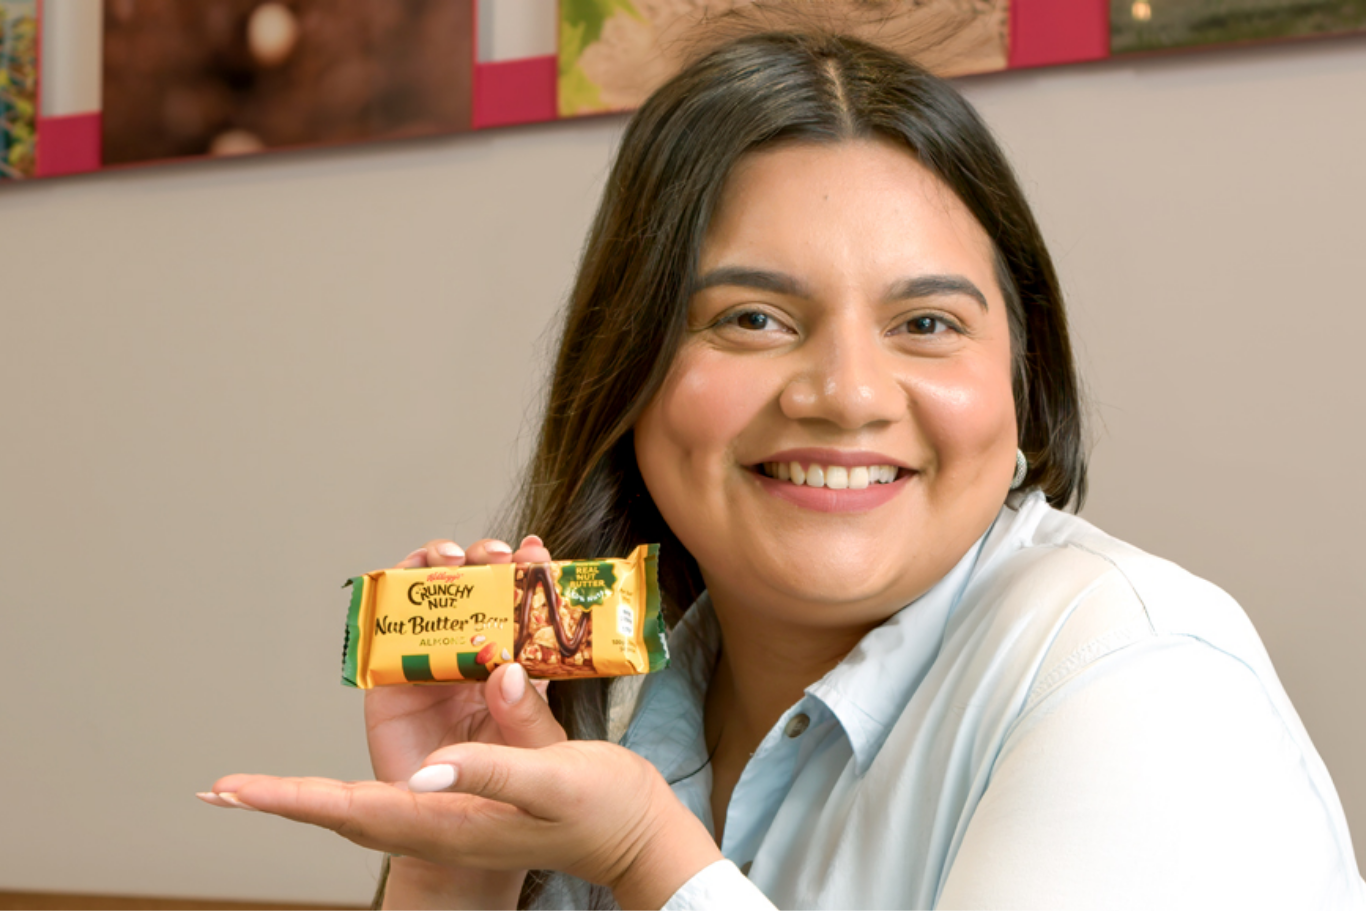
<point>865,202</point>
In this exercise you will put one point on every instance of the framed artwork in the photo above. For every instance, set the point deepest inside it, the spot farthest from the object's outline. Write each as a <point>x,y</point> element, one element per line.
<point>1154,25</point>
<point>18,88</point>
<point>230,77</point>
<point>614,53</point>
<point>137,81</point>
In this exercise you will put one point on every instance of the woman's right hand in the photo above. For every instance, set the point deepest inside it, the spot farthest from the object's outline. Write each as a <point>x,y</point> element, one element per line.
<point>405,724</point>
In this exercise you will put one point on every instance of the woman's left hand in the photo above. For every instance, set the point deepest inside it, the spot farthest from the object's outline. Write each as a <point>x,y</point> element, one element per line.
<point>588,808</point>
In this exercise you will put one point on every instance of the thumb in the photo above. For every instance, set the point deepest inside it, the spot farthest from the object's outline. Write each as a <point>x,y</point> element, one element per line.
<point>521,713</point>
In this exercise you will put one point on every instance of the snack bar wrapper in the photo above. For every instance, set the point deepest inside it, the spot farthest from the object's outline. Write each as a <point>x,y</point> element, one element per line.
<point>562,620</point>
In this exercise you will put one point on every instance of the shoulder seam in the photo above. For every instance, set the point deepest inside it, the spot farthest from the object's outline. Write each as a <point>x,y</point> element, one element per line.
<point>1093,649</point>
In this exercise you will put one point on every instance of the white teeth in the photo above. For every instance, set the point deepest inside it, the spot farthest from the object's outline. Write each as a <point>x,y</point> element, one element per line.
<point>835,477</point>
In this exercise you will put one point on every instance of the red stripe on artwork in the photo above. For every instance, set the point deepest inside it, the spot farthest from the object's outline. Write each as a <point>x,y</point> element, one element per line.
<point>1047,32</point>
<point>68,145</point>
<point>510,92</point>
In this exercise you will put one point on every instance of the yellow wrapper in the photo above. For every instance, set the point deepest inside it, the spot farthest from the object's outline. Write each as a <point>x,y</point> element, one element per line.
<point>562,620</point>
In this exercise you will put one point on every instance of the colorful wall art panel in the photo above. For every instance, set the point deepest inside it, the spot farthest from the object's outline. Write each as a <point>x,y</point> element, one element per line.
<point>128,82</point>
<point>18,88</point>
<point>226,77</point>
<point>614,53</point>
<point>1151,25</point>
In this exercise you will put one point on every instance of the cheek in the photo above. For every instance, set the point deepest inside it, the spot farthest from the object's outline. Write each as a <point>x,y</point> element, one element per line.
<point>698,414</point>
<point>967,415</point>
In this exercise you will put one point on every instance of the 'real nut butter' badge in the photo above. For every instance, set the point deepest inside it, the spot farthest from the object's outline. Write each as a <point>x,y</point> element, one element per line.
<point>561,620</point>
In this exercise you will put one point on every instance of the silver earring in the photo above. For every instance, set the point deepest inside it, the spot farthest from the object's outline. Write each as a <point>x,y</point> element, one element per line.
<point>1021,469</point>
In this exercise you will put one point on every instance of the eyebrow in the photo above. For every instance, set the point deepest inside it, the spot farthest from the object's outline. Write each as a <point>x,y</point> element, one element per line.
<point>937,286</point>
<point>781,283</point>
<point>756,279</point>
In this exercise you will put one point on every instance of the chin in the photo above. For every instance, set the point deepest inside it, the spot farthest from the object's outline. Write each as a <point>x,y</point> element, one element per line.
<point>862,584</point>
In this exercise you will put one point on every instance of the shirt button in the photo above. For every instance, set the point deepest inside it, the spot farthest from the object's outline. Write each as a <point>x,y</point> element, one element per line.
<point>744,868</point>
<point>797,725</point>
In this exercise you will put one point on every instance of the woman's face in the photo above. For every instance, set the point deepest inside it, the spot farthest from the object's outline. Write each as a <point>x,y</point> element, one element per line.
<point>849,334</point>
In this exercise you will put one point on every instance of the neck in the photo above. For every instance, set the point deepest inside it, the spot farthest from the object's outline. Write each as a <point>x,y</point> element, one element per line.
<point>764,668</point>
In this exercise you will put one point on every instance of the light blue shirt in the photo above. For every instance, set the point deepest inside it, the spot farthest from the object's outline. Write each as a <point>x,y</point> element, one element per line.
<point>1062,721</point>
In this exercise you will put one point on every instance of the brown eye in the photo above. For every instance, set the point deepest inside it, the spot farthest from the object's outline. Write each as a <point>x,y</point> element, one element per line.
<point>929,324</point>
<point>752,327</point>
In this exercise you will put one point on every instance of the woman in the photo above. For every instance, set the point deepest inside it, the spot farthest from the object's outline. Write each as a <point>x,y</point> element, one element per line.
<point>815,344</point>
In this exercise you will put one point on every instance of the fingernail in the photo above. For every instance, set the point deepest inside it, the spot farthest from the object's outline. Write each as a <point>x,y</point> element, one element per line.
<point>533,541</point>
<point>420,550</point>
<point>449,549</point>
<point>209,797</point>
<point>497,547</point>
<point>232,800</point>
<point>432,778</point>
<point>514,684</point>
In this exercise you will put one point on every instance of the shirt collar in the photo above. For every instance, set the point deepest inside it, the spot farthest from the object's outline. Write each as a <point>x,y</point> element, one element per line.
<point>870,688</point>
<point>866,692</point>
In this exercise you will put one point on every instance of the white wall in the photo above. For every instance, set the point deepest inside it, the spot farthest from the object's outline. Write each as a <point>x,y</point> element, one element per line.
<point>226,387</point>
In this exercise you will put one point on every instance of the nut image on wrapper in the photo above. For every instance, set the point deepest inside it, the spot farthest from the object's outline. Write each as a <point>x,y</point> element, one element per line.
<point>559,620</point>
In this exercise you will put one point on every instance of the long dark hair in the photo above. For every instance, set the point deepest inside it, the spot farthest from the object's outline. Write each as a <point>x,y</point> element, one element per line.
<point>625,319</point>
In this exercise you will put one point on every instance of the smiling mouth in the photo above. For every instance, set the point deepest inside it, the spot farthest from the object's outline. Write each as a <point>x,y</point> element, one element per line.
<point>833,477</point>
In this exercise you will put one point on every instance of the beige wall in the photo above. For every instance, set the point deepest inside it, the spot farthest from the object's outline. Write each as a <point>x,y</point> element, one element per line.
<point>224,388</point>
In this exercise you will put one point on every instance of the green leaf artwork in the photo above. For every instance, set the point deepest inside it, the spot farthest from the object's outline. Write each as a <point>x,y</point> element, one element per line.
<point>581,25</point>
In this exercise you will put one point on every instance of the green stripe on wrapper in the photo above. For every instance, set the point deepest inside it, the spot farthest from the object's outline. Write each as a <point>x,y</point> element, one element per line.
<point>471,669</point>
<point>418,668</point>
<point>656,636</point>
<point>352,643</point>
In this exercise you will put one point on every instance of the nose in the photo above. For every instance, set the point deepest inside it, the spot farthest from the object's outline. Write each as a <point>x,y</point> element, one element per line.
<point>845,377</point>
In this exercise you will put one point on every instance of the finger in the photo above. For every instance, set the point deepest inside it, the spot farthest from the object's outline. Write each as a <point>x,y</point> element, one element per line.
<point>365,812</point>
<point>520,710</point>
<point>442,552</point>
<point>415,560</point>
<point>231,783</point>
<point>546,783</point>
<point>488,550</point>
<point>531,550</point>
<point>443,828</point>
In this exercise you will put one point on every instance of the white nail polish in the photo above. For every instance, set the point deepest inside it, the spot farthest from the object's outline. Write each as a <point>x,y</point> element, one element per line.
<point>449,549</point>
<point>232,801</point>
<point>497,547</point>
<point>432,778</point>
<point>514,683</point>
